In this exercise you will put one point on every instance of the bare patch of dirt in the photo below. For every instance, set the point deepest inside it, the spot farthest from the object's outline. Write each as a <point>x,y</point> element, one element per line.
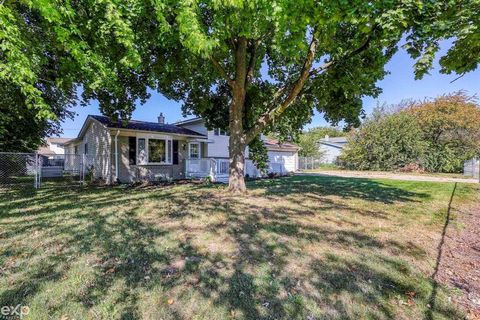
<point>459,264</point>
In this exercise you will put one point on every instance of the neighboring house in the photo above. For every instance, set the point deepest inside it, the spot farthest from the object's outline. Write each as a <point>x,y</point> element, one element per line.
<point>331,148</point>
<point>54,148</point>
<point>142,150</point>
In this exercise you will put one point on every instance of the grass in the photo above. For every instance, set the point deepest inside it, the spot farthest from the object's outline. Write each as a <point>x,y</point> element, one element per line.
<point>333,167</point>
<point>293,248</point>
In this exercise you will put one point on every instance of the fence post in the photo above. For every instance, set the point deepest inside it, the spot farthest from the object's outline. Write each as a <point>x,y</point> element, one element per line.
<point>37,174</point>
<point>83,165</point>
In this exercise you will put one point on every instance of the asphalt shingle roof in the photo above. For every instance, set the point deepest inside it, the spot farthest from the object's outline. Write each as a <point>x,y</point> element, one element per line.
<point>146,126</point>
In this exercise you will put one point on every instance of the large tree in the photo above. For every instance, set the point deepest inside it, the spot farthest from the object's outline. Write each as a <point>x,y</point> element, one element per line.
<point>247,66</point>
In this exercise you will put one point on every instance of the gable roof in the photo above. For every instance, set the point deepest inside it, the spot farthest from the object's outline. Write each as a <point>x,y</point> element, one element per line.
<point>186,121</point>
<point>59,141</point>
<point>337,142</point>
<point>140,126</point>
<point>273,144</point>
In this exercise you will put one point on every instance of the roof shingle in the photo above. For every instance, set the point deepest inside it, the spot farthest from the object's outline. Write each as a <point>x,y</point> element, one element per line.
<point>146,126</point>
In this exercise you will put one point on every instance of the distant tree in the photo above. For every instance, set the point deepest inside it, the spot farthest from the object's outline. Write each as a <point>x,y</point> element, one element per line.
<point>308,140</point>
<point>450,125</point>
<point>384,142</point>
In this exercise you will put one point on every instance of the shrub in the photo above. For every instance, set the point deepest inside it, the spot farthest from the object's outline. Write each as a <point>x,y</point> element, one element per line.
<point>384,142</point>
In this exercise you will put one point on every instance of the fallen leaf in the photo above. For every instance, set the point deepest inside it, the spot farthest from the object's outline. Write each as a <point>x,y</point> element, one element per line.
<point>170,301</point>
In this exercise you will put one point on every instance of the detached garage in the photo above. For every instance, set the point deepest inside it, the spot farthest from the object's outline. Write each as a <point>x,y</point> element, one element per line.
<point>283,157</point>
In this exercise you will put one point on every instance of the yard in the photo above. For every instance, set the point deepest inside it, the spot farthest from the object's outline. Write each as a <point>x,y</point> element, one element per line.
<point>294,248</point>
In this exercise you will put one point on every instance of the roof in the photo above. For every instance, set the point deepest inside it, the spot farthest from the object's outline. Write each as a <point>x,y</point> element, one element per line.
<point>337,142</point>
<point>146,126</point>
<point>58,140</point>
<point>187,121</point>
<point>45,150</point>
<point>273,144</point>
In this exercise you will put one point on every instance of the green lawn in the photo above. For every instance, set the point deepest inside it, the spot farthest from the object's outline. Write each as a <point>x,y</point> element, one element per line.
<point>293,248</point>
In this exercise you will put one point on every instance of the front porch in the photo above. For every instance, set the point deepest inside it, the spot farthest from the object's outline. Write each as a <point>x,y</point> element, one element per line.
<point>215,168</point>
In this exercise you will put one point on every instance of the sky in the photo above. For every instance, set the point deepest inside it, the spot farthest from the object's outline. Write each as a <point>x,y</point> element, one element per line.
<point>400,84</point>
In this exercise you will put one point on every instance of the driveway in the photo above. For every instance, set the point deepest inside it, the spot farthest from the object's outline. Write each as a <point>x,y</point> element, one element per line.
<point>387,175</point>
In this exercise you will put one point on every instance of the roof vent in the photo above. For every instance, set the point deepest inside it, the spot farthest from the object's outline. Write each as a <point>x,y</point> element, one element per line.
<point>161,118</point>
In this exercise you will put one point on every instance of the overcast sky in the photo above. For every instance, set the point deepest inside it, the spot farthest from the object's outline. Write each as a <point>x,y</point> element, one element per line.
<point>398,85</point>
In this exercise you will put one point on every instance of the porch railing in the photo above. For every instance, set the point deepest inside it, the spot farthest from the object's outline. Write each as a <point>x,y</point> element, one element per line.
<point>206,167</point>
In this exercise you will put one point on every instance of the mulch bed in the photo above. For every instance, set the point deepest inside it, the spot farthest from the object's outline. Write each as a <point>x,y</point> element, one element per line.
<point>459,265</point>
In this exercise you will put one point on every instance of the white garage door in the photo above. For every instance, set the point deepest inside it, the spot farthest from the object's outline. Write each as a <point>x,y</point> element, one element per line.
<point>282,161</point>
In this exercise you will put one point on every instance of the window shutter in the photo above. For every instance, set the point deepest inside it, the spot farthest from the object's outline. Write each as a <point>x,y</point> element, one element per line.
<point>175,151</point>
<point>132,150</point>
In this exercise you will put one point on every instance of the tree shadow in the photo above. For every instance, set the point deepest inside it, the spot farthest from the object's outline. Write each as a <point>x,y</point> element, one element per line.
<point>359,188</point>
<point>268,274</point>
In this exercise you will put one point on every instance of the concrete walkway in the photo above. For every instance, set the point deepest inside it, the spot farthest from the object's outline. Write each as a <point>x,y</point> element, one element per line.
<point>386,175</point>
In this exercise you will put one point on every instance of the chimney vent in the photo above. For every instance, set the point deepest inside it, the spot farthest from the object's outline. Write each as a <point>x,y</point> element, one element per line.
<point>161,118</point>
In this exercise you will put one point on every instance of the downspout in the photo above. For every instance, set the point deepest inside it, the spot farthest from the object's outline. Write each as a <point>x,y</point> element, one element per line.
<point>116,155</point>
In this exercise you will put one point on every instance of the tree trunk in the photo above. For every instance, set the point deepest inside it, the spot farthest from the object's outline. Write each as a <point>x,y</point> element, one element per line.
<point>236,179</point>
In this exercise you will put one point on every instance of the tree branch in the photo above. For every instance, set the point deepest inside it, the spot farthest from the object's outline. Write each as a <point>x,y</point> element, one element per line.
<point>252,61</point>
<point>306,73</point>
<point>222,71</point>
<point>264,120</point>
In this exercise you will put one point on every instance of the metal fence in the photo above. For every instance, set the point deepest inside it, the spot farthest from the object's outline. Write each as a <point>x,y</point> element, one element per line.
<point>310,163</point>
<point>471,168</point>
<point>33,169</point>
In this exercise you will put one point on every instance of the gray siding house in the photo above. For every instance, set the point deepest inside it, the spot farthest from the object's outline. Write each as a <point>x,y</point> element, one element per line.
<point>331,148</point>
<point>140,151</point>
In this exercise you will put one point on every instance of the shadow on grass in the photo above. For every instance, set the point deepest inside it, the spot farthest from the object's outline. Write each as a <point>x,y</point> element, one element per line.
<point>350,188</point>
<point>134,255</point>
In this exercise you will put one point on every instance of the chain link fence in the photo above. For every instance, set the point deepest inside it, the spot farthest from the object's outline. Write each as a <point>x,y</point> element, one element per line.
<point>25,170</point>
<point>471,168</point>
<point>310,163</point>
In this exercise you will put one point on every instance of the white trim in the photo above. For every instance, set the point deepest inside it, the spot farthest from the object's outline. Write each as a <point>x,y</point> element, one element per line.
<point>199,150</point>
<point>168,150</point>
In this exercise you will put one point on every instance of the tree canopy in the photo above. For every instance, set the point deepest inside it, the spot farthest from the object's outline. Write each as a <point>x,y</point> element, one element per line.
<point>249,67</point>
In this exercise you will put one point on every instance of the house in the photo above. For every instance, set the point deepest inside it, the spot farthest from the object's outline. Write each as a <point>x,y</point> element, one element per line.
<point>140,150</point>
<point>331,148</point>
<point>53,148</point>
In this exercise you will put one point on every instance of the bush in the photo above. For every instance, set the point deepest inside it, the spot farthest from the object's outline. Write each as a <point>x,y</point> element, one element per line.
<point>436,135</point>
<point>384,142</point>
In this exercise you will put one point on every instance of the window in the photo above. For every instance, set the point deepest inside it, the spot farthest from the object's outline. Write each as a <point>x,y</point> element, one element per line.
<point>157,150</point>
<point>194,150</point>
<point>85,151</point>
<point>132,150</point>
<point>154,151</point>
<point>142,152</point>
<point>75,150</point>
<point>219,132</point>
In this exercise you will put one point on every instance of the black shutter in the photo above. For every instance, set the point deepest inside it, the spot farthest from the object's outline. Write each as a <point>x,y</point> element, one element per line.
<point>132,150</point>
<point>175,152</point>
